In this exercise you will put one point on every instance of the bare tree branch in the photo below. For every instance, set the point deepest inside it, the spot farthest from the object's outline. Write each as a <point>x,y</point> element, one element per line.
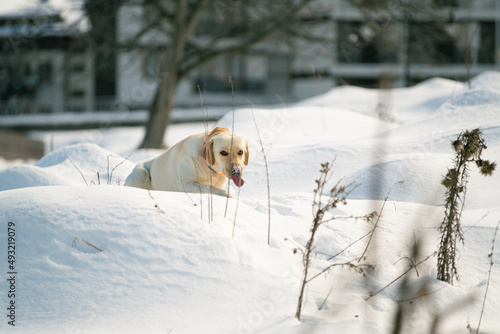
<point>261,33</point>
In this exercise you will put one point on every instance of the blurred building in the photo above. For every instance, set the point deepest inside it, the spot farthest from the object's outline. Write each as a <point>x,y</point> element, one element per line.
<point>392,45</point>
<point>47,66</point>
<point>366,43</point>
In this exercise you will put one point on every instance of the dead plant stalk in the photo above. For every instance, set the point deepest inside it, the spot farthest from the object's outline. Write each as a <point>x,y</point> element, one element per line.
<point>264,155</point>
<point>337,196</point>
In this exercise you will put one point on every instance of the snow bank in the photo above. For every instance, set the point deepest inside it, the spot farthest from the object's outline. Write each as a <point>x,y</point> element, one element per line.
<point>161,266</point>
<point>79,164</point>
<point>150,261</point>
<point>401,104</point>
<point>370,152</point>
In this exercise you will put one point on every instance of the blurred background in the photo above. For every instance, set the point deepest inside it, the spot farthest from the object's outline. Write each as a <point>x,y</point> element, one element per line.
<point>97,64</point>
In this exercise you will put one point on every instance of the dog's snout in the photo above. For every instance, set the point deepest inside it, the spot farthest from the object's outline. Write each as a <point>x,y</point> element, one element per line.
<point>236,170</point>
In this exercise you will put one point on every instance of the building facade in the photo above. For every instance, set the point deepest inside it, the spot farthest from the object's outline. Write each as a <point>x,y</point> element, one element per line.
<point>47,67</point>
<point>375,44</point>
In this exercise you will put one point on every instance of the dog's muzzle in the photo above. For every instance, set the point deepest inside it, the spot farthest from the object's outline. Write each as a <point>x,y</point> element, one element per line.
<point>235,171</point>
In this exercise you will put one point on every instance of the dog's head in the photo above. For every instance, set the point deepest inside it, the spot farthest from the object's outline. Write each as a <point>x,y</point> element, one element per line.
<point>226,153</point>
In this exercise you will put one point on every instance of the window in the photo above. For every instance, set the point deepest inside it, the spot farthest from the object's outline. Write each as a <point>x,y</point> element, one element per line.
<point>76,108</point>
<point>78,94</point>
<point>434,43</point>
<point>45,72</point>
<point>255,70</point>
<point>486,54</point>
<point>370,42</point>
<point>248,73</point>
<point>78,67</point>
<point>361,82</point>
<point>44,109</point>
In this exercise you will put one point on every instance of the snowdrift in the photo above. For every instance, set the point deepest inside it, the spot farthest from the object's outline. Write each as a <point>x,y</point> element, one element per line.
<point>79,164</point>
<point>93,256</point>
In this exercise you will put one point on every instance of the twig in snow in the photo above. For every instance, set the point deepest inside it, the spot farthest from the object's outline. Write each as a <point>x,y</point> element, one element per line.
<point>236,211</point>
<point>201,196</point>
<point>156,204</point>
<point>64,230</point>
<point>396,279</point>
<point>349,246</point>
<point>184,188</point>
<point>267,176</point>
<point>412,264</point>
<point>338,195</point>
<point>480,219</point>
<point>425,294</point>
<point>369,217</point>
<point>231,145</point>
<point>324,301</point>
<point>107,167</point>
<point>378,219</point>
<point>79,171</point>
<point>205,124</point>
<point>110,176</point>
<point>489,276</point>
<point>359,268</point>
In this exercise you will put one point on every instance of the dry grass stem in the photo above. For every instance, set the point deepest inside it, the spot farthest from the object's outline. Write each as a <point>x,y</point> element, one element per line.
<point>79,171</point>
<point>65,231</point>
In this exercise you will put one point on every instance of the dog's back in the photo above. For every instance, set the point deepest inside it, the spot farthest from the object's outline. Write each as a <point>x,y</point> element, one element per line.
<point>170,170</point>
<point>179,166</point>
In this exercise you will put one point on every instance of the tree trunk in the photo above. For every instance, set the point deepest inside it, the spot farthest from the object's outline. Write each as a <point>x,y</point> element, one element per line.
<point>159,113</point>
<point>164,101</point>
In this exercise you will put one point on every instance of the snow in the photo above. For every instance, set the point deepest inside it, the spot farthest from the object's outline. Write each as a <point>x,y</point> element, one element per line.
<point>163,267</point>
<point>404,104</point>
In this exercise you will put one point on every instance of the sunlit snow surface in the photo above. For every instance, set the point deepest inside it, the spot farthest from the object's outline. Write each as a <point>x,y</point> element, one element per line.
<point>165,268</point>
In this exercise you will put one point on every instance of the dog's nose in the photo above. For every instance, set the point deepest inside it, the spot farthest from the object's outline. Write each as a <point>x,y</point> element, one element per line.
<point>236,170</point>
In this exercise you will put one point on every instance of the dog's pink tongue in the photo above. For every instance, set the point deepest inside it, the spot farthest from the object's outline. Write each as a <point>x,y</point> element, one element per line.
<point>238,181</point>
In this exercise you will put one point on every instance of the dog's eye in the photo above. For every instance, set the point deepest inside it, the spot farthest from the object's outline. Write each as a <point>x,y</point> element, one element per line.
<point>240,152</point>
<point>224,153</point>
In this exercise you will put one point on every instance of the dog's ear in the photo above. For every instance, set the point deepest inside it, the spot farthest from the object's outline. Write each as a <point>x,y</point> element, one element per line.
<point>208,152</point>
<point>217,130</point>
<point>247,154</point>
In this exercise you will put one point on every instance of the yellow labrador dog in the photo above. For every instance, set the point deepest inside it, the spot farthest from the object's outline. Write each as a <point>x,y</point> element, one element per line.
<point>201,162</point>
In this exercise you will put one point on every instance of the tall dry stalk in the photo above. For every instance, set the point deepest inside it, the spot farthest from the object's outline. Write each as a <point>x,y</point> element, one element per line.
<point>204,111</point>
<point>337,195</point>
<point>230,79</point>
<point>490,256</point>
<point>468,148</point>
<point>264,155</point>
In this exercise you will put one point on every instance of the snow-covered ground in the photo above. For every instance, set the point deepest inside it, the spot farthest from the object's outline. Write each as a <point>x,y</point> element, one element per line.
<point>156,263</point>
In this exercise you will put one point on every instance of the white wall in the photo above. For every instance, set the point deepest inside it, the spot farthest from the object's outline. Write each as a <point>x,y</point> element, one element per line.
<point>133,88</point>
<point>80,81</point>
<point>52,93</point>
<point>308,87</point>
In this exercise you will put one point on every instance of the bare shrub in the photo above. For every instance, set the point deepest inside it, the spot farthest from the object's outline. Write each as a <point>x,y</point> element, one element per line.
<point>337,196</point>
<point>468,147</point>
